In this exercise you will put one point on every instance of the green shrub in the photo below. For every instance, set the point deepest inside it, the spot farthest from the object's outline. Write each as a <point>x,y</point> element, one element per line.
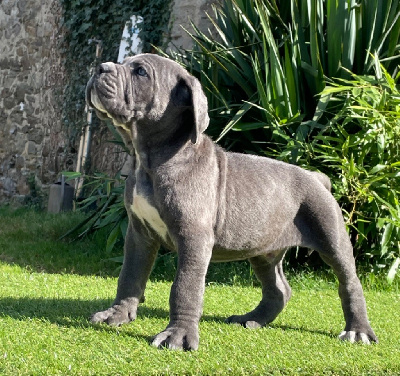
<point>359,150</point>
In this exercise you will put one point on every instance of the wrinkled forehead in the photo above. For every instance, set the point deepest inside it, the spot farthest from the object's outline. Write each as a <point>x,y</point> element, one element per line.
<point>155,63</point>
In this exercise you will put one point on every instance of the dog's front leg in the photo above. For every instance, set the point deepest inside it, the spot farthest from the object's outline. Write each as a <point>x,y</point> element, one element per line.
<point>139,256</point>
<point>186,299</point>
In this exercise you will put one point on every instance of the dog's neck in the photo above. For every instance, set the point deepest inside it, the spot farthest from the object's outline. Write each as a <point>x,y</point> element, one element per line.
<point>154,149</point>
<point>153,157</point>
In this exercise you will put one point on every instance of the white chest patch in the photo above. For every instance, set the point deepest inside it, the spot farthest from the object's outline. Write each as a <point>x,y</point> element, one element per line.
<point>146,212</point>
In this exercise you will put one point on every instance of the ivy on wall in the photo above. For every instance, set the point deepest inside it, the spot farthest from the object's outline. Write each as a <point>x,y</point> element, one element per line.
<point>154,30</point>
<point>102,20</point>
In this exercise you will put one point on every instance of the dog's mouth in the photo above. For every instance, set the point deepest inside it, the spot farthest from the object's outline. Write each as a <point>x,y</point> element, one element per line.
<point>93,101</point>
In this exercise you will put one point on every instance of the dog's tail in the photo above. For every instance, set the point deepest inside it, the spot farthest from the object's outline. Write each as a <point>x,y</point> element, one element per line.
<point>323,179</point>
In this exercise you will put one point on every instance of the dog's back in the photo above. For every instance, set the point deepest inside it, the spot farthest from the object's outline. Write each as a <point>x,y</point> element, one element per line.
<point>260,199</point>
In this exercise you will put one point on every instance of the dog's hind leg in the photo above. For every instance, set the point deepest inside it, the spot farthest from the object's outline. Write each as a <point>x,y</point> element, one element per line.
<point>329,238</point>
<point>351,294</point>
<point>276,293</point>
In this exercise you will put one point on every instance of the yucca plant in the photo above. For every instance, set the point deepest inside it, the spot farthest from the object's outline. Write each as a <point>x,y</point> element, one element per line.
<point>267,61</point>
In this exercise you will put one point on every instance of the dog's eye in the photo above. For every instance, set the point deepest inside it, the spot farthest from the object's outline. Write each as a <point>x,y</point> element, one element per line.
<point>141,72</point>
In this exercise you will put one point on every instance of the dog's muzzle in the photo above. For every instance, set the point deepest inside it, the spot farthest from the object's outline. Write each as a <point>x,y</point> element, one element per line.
<point>109,92</point>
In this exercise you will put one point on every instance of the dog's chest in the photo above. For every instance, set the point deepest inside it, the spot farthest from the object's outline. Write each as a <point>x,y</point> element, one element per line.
<point>148,214</point>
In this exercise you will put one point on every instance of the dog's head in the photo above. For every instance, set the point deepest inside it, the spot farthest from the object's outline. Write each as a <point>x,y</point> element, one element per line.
<point>150,93</point>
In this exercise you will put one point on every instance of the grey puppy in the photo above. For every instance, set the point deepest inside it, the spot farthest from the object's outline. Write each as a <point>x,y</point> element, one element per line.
<point>191,196</point>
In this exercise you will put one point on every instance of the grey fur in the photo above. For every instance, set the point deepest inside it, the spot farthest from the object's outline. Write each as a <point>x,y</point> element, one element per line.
<point>190,195</point>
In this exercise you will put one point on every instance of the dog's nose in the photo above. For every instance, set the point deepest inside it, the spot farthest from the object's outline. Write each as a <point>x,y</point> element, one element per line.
<point>103,68</point>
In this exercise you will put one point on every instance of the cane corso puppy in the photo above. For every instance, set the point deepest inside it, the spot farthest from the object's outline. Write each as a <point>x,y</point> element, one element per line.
<point>188,194</point>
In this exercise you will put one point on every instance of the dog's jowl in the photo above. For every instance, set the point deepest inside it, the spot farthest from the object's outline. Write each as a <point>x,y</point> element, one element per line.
<point>206,204</point>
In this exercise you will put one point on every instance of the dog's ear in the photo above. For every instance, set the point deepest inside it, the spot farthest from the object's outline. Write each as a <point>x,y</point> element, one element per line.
<point>199,108</point>
<point>189,93</point>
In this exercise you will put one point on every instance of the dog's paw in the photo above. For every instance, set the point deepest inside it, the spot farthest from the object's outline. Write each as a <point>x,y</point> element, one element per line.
<point>117,315</point>
<point>246,321</point>
<point>353,336</point>
<point>177,338</point>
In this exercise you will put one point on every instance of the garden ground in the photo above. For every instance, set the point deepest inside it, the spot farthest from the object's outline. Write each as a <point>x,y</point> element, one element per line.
<point>50,287</point>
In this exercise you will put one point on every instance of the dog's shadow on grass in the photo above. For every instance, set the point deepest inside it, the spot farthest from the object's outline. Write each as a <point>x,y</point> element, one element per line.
<point>70,313</point>
<point>67,311</point>
<point>76,313</point>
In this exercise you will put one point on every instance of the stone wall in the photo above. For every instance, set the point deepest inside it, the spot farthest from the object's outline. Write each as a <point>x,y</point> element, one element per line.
<point>32,144</point>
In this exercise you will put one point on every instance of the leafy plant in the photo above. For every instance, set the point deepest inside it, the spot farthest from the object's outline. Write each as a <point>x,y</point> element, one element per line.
<point>359,149</point>
<point>105,204</point>
<point>35,197</point>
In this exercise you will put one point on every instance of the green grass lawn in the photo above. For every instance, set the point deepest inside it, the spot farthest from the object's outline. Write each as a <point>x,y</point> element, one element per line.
<point>49,288</point>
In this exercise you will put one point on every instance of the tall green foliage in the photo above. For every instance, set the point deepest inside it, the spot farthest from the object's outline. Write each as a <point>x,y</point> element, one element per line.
<point>307,81</point>
<point>269,60</point>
